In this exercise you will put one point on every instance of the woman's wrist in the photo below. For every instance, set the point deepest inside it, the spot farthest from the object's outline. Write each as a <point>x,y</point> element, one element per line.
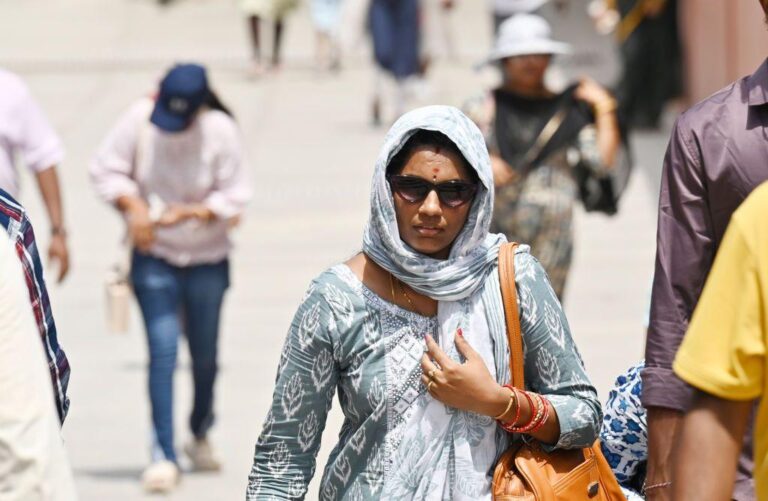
<point>509,408</point>
<point>497,402</point>
<point>604,106</point>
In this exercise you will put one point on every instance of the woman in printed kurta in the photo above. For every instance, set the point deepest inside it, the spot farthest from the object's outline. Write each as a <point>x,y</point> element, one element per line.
<point>352,336</point>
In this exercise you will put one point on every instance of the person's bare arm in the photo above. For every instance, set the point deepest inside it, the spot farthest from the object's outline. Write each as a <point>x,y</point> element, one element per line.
<point>503,173</point>
<point>141,229</point>
<point>606,124</point>
<point>48,183</point>
<point>663,425</point>
<point>684,256</point>
<point>710,443</point>
<point>608,136</point>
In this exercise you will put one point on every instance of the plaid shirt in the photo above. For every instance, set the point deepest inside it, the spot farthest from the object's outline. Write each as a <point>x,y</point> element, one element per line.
<point>14,219</point>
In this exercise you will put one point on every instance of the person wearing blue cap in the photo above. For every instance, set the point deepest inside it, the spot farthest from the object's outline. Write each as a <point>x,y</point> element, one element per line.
<point>174,167</point>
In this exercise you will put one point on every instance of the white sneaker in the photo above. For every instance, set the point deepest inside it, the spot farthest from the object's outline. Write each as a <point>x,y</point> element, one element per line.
<point>160,477</point>
<point>201,454</point>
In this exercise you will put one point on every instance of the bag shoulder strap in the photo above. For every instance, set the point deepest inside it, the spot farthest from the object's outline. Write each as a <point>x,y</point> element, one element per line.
<point>511,314</point>
<point>552,125</point>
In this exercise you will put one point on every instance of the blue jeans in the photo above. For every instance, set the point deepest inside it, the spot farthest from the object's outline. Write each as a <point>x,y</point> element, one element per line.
<point>174,300</point>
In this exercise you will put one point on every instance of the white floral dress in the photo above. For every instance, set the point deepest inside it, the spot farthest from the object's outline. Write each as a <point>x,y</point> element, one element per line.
<point>345,337</point>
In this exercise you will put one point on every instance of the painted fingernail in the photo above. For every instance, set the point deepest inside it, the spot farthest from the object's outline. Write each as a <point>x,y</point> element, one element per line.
<point>460,332</point>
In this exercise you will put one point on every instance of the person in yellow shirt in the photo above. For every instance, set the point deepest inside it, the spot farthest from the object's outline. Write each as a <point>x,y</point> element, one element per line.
<point>724,355</point>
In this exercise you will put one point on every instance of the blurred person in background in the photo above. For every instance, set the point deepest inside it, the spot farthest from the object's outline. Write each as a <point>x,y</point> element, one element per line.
<point>174,167</point>
<point>258,11</point>
<point>651,55</point>
<point>33,463</point>
<point>25,131</point>
<point>724,356</point>
<point>396,34</point>
<point>715,158</point>
<point>535,136</point>
<point>326,15</point>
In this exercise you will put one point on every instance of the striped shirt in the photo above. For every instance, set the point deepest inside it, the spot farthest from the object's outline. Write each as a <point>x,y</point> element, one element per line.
<point>14,219</point>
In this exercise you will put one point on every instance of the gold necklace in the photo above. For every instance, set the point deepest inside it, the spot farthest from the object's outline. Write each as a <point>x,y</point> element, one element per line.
<point>402,291</point>
<point>407,297</point>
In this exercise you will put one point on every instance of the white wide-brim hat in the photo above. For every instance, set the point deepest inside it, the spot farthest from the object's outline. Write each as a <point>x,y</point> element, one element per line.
<point>525,34</point>
<point>512,7</point>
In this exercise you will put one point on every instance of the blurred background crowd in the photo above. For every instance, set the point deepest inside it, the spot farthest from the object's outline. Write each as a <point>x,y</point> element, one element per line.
<point>303,92</point>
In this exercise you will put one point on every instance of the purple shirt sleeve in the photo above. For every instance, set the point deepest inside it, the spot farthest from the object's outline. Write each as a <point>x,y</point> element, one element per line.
<point>685,249</point>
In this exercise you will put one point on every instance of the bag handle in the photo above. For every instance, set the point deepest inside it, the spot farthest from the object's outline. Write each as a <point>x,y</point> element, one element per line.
<point>511,313</point>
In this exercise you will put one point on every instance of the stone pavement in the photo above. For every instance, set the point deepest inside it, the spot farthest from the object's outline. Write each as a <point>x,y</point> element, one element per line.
<point>311,153</point>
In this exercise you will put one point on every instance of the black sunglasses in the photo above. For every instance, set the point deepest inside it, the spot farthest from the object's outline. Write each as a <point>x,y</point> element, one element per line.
<point>415,189</point>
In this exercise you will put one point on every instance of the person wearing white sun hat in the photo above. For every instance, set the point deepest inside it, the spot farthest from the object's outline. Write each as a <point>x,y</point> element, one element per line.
<point>546,147</point>
<point>525,34</point>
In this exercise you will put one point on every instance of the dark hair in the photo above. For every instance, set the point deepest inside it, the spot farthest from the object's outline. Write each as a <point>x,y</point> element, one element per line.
<point>213,102</point>
<point>424,138</point>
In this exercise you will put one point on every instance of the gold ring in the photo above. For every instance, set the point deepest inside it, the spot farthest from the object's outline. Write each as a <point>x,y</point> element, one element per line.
<point>429,386</point>
<point>431,374</point>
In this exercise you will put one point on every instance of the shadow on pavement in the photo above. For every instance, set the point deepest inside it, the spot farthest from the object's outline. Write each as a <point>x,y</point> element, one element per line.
<point>115,474</point>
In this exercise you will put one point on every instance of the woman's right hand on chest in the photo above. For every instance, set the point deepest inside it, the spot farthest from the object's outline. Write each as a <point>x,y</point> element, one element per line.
<point>467,386</point>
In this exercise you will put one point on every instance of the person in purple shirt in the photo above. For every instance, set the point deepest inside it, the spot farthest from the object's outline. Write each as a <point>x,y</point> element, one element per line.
<point>716,157</point>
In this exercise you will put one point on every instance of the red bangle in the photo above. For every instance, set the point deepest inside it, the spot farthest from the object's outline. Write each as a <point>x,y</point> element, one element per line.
<point>536,412</point>
<point>544,416</point>
<point>541,416</point>
<point>514,428</point>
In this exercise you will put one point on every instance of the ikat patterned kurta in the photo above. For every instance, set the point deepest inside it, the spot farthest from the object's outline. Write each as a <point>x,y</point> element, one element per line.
<point>344,338</point>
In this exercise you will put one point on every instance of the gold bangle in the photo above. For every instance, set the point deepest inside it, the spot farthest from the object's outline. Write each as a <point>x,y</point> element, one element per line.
<point>512,398</point>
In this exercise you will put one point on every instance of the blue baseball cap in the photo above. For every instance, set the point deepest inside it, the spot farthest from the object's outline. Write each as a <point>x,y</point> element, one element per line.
<point>183,90</point>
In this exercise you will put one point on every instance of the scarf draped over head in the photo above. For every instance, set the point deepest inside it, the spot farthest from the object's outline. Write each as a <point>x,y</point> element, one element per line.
<point>445,453</point>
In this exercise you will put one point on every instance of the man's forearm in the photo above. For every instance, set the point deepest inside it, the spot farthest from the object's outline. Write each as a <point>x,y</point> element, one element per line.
<point>710,443</point>
<point>48,183</point>
<point>663,425</point>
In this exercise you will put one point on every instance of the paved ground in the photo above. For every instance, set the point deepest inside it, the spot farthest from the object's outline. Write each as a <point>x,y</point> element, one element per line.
<point>312,153</point>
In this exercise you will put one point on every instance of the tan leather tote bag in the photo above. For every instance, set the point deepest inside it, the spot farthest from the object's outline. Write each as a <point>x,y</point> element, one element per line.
<point>526,472</point>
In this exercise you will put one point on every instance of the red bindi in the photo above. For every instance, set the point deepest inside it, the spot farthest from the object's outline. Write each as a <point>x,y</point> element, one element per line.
<point>435,170</point>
